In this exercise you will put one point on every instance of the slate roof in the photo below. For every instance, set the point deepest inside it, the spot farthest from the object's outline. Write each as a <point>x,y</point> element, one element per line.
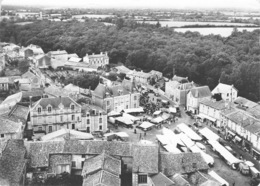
<point>145,158</point>
<point>55,102</point>
<point>8,126</point>
<point>202,179</point>
<point>39,151</point>
<point>161,180</point>
<point>255,111</point>
<point>179,180</point>
<point>89,108</point>
<point>123,69</point>
<point>103,178</point>
<point>218,105</point>
<point>245,102</point>
<point>201,92</point>
<point>223,88</point>
<point>57,91</point>
<point>102,162</point>
<point>33,93</point>
<point>12,161</point>
<point>182,163</point>
<point>19,112</point>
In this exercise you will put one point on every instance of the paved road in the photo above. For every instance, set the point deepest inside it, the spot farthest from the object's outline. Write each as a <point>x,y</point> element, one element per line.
<point>220,166</point>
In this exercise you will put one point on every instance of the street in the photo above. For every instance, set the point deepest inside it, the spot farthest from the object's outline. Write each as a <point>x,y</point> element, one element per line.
<point>220,167</point>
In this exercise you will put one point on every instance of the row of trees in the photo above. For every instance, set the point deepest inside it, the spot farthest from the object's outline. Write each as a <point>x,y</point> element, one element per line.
<point>204,59</point>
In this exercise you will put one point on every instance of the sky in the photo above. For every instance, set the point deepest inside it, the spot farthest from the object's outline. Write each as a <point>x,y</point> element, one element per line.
<point>240,4</point>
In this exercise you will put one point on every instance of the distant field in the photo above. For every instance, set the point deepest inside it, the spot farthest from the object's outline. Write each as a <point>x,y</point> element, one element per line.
<point>24,23</point>
<point>184,23</point>
<point>91,16</point>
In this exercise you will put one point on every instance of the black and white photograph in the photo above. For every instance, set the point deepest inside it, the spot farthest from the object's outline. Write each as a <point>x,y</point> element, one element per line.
<point>130,93</point>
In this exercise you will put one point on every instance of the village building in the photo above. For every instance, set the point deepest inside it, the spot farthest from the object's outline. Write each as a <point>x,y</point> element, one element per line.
<point>122,69</point>
<point>195,96</point>
<point>11,129</point>
<point>244,103</point>
<point>35,79</point>
<point>243,128</point>
<point>139,77</point>
<point>42,61</point>
<point>117,98</point>
<point>4,84</point>
<point>94,118</point>
<point>12,163</point>
<point>31,51</point>
<point>177,89</point>
<point>227,92</point>
<point>101,169</point>
<point>51,114</point>
<point>97,59</point>
<point>156,74</point>
<point>2,62</point>
<point>211,110</point>
<point>59,55</point>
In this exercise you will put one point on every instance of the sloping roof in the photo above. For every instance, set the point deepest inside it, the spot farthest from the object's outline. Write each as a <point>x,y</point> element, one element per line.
<point>179,180</point>
<point>123,69</point>
<point>74,59</point>
<point>33,93</point>
<point>200,92</point>
<point>55,102</point>
<point>139,74</point>
<point>182,163</point>
<point>89,108</point>
<point>245,102</point>
<point>58,91</point>
<point>223,88</point>
<point>218,105</point>
<point>4,80</point>
<point>180,79</point>
<point>161,180</point>
<point>68,134</point>
<point>19,112</point>
<point>8,126</point>
<point>145,158</point>
<point>13,99</point>
<point>58,52</point>
<point>255,111</point>
<point>100,90</point>
<point>39,151</point>
<point>103,178</point>
<point>72,55</point>
<point>12,162</point>
<point>102,162</point>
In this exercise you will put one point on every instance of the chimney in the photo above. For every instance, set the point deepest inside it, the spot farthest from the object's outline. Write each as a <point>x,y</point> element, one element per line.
<point>93,54</point>
<point>196,93</point>
<point>101,53</point>
<point>106,53</point>
<point>30,97</point>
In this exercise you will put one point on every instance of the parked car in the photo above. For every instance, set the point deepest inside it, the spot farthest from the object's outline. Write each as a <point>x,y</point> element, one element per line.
<point>243,168</point>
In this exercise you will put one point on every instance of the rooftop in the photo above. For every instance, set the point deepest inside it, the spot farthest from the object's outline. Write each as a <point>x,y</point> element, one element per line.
<point>161,180</point>
<point>103,178</point>
<point>8,126</point>
<point>223,88</point>
<point>245,102</point>
<point>218,105</point>
<point>201,92</point>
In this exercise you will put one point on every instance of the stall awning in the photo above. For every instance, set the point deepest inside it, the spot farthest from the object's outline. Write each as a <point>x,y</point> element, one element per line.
<point>146,125</point>
<point>201,115</point>
<point>157,120</point>
<point>172,110</point>
<point>172,149</point>
<point>207,133</point>
<point>157,112</point>
<point>238,139</point>
<point>134,110</point>
<point>231,133</point>
<point>113,113</point>
<point>162,139</point>
<point>124,120</point>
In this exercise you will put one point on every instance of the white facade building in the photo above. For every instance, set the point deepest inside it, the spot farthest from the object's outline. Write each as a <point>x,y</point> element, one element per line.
<point>97,59</point>
<point>227,92</point>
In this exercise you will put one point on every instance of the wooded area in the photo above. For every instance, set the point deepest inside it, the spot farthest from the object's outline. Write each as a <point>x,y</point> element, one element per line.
<point>204,59</point>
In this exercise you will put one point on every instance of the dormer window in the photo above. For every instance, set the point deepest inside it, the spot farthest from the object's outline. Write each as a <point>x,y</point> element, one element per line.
<point>49,109</point>
<point>39,110</point>
<point>72,107</point>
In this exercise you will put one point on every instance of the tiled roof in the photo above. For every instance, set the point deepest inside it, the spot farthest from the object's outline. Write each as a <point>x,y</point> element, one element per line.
<point>89,108</point>
<point>161,180</point>
<point>255,111</point>
<point>171,164</point>
<point>145,158</point>
<point>201,92</point>
<point>12,161</point>
<point>139,74</point>
<point>179,180</point>
<point>100,90</point>
<point>201,179</point>
<point>4,80</point>
<point>218,105</point>
<point>103,178</point>
<point>57,91</point>
<point>33,93</point>
<point>245,102</point>
<point>223,88</point>
<point>8,126</point>
<point>102,162</point>
<point>19,112</point>
<point>123,69</point>
<point>55,102</point>
<point>74,147</point>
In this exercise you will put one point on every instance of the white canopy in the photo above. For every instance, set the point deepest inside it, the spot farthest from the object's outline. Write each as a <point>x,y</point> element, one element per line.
<point>165,116</point>
<point>162,139</point>
<point>157,120</point>
<point>200,145</point>
<point>171,148</point>
<point>174,139</point>
<point>122,134</point>
<point>157,112</point>
<point>224,152</point>
<point>132,118</point>
<point>189,132</point>
<point>186,140</point>
<point>114,113</point>
<point>124,120</point>
<point>134,110</point>
<point>172,110</point>
<point>146,125</point>
<point>218,178</point>
<point>249,163</point>
<point>207,133</point>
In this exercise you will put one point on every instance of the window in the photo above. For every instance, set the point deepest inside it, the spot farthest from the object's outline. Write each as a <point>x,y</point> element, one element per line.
<point>2,135</point>
<point>39,110</point>
<point>126,107</point>
<point>227,94</point>
<point>78,118</point>
<point>61,118</point>
<point>73,126</point>
<point>88,129</point>
<point>40,128</point>
<point>50,128</point>
<point>72,117</point>
<point>134,105</point>
<point>83,156</point>
<point>100,127</point>
<point>88,121</point>
<point>108,103</point>
<point>49,109</point>
<point>73,164</point>
<point>142,179</point>
<point>100,120</point>
<point>82,164</point>
<point>72,107</point>
<point>87,114</point>
<point>100,113</point>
